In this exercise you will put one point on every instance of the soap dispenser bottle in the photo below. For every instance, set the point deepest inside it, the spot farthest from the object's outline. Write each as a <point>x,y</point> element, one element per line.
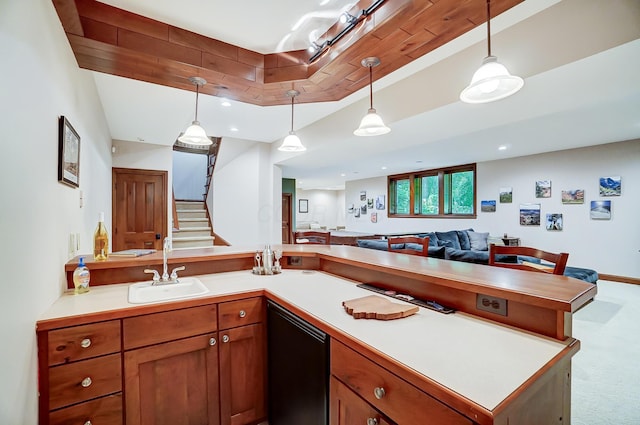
<point>81,278</point>
<point>101,240</point>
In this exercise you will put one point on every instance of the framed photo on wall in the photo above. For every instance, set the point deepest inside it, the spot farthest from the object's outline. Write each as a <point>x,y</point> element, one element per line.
<point>68,153</point>
<point>303,206</point>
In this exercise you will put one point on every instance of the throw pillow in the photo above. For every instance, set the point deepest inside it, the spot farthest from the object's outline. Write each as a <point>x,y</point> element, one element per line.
<point>451,236</point>
<point>478,241</point>
<point>446,244</point>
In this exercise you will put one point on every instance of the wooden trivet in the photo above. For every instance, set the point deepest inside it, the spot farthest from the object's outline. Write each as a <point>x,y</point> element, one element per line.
<point>376,307</point>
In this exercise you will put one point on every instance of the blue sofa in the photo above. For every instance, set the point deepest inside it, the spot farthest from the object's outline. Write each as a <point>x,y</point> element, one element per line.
<point>471,247</point>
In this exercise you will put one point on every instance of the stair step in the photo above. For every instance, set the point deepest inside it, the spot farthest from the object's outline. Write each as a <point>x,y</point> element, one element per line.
<point>193,242</point>
<point>187,205</point>
<point>191,214</point>
<point>192,231</point>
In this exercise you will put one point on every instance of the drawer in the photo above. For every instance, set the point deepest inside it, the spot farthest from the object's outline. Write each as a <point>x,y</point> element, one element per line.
<point>75,382</point>
<point>83,342</point>
<point>399,400</point>
<point>101,411</point>
<point>168,326</point>
<point>242,312</point>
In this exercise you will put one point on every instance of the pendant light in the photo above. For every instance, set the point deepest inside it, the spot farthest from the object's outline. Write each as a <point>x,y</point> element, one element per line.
<point>194,134</point>
<point>371,124</point>
<point>292,142</point>
<point>491,81</point>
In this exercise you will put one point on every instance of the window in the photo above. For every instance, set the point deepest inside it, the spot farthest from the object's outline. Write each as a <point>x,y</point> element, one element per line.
<point>445,192</point>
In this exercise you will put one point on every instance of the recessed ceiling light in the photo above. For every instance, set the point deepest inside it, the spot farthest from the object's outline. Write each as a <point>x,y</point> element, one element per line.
<point>384,167</point>
<point>233,129</point>
<point>343,175</point>
<point>503,147</point>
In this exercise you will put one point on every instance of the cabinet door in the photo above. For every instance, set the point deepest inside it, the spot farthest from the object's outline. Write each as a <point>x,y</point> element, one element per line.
<point>242,375</point>
<point>346,408</point>
<point>173,383</point>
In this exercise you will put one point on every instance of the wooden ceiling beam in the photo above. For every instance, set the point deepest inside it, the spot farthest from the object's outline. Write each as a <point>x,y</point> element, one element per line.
<point>113,41</point>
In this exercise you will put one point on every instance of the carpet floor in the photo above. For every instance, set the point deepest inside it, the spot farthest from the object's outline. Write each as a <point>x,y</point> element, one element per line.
<point>606,370</point>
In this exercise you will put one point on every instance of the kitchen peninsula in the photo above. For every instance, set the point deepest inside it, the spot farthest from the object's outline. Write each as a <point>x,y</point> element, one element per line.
<point>464,367</point>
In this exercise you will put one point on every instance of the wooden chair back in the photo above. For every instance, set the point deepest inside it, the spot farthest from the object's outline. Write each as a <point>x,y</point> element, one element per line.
<point>559,260</point>
<point>312,237</point>
<point>424,242</point>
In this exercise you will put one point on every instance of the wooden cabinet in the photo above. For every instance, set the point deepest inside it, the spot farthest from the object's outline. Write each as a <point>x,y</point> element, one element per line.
<point>347,408</point>
<point>173,382</point>
<point>397,399</point>
<point>171,367</point>
<point>242,361</point>
<point>80,374</point>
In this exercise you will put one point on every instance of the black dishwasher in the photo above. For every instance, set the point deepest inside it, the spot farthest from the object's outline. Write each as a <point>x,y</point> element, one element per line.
<point>298,368</point>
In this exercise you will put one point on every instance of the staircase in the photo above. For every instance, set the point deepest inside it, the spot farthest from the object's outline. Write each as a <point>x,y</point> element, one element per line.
<point>194,229</point>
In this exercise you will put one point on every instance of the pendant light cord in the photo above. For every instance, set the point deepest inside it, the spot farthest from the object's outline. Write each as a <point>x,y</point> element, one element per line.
<point>292,98</point>
<point>488,28</point>
<point>197,92</point>
<point>370,87</point>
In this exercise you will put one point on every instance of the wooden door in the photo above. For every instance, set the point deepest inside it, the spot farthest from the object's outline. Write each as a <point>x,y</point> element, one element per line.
<point>139,208</point>
<point>286,218</point>
<point>347,408</point>
<point>173,383</point>
<point>242,375</point>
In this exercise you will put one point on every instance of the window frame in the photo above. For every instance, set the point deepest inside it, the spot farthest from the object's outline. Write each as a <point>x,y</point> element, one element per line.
<point>415,180</point>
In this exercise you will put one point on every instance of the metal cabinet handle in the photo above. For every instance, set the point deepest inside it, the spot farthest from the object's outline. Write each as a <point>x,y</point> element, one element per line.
<point>243,313</point>
<point>379,392</point>
<point>86,382</point>
<point>88,423</point>
<point>225,338</point>
<point>85,343</point>
<point>372,421</point>
<point>212,341</point>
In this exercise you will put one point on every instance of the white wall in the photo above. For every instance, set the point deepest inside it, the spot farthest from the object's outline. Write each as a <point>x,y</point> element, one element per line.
<point>244,190</point>
<point>326,207</point>
<point>39,81</point>
<point>610,247</point>
<point>189,175</point>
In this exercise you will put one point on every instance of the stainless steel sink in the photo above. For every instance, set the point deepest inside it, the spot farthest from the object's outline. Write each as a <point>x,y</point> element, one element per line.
<point>146,292</point>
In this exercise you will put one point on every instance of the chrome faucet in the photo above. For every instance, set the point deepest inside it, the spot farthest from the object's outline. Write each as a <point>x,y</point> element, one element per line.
<point>165,278</point>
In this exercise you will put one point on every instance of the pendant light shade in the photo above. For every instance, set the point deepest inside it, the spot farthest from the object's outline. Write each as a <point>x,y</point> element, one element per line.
<point>194,134</point>
<point>492,80</point>
<point>371,124</point>
<point>292,142</point>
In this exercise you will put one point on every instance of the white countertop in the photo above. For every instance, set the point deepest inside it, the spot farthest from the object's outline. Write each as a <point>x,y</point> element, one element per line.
<point>482,361</point>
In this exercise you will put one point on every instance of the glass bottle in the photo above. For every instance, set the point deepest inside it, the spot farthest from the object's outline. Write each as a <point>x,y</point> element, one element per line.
<point>101,241</point>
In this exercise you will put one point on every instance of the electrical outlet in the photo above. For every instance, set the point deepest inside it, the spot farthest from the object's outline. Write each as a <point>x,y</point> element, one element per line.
<point>295,261</point>
<point>491,304</point>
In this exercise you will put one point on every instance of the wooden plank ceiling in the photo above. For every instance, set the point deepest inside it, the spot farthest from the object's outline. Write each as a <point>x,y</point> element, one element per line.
<point>113,41</point>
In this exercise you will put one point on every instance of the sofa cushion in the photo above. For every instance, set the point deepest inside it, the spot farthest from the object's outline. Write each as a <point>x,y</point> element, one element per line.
<point>433,239</point>
<point>478,241</point>
<point>467,255</point>
<point>463,237</point>
<point>587,275</point>
<point>451,236</point>
<point>373,244</point>
<point>445,244</point>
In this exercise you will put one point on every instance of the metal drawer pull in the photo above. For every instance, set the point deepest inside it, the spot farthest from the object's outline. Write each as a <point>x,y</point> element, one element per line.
<point>85,343</point>
<point>88,423</point>
<point>243,313</point>
<point>379,392</point>
<point>86,382</point>
<point>372,421</point>
<point>212,341</point>
<point>225,338</point>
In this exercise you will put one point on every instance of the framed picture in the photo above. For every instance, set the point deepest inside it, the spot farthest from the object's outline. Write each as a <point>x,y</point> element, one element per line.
<point>68,153</point>
<point>380,202</point>
<point>363,195</point>
<point>374,217</point>
<point>506,195</point>
<point>554,221</point>
<point>488,206</point>
<point>573,196</point>
<point>530,214</point>
<point>610,186</point>
<point>600,210</point>
<point>303,206</point>
<point>543,189</point>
